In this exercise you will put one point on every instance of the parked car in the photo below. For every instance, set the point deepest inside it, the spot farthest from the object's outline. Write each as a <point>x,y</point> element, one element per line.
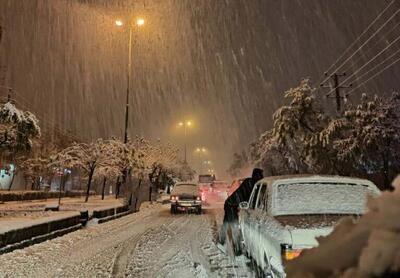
<point>186,196</point>
<point>285,215</point>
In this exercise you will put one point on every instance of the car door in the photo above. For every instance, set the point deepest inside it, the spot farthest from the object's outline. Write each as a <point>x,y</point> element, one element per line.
<point>245,221</point>
<point>269,249</point>
<point>258,219</point>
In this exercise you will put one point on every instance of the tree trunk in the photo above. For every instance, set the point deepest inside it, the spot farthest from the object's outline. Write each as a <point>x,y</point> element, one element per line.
<point>88,184</point>
<point>137,193</point>
<point>104,188</point>
<point>12,180</point>
<point>117,188</point>
<point>150,192</point>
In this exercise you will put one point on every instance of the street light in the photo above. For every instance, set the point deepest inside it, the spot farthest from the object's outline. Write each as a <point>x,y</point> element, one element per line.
<point>120,23</point>
<point>140,21</point>
<point>200,151</point>
<point>185,125</point>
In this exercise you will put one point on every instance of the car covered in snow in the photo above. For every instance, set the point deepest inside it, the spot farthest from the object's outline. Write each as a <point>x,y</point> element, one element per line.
<point>286,214</point>
<point>185,196</point>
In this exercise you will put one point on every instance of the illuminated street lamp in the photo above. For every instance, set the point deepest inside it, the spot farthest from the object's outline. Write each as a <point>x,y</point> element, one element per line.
<point>200,151</point>
<point>185,124</point>
<point>120,23</point>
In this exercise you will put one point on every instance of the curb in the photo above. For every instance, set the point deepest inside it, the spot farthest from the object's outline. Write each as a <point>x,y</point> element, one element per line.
<point>39,239</point>
<point>80,222</point>
<point>112,217</point>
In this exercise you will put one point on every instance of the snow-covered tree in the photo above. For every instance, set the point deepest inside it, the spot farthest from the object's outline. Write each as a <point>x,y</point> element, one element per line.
<point>364,141</point>
<point>84,156</point>
<point>33,168</point>
<point>17,129</point>
<point>240,162</point>
<point>273,157</point>
<point>117,163</point>
<point>368,137</point>
<point>294,145</point>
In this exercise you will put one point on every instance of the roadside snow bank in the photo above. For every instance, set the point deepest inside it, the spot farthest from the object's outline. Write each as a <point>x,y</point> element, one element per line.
<point>369,248</point>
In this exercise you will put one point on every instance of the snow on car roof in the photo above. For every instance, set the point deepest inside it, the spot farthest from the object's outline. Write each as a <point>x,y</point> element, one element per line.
<point>188,188</point>
<point>319,195</point>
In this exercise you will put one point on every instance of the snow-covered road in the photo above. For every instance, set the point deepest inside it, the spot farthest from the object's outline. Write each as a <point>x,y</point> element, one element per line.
<point>151,243</point>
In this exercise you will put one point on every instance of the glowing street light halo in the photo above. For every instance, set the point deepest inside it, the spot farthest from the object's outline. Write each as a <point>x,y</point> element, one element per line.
<point>119,23</point>
<point>140,21</point>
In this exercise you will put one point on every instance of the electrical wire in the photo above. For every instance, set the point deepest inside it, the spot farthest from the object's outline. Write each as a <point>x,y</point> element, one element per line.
<point>381,63</point>
<point>359,37</point>
<point>369,39</point>
<point>367,63</point>
<point>373,76</point>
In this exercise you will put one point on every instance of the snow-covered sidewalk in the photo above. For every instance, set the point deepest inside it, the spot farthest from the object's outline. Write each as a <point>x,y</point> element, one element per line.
<point>17,215</point>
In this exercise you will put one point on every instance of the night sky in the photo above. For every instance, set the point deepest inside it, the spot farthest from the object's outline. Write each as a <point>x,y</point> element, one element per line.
<point>224,64</point>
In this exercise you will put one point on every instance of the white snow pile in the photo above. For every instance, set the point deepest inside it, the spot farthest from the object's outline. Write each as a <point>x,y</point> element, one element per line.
<point>321,197</point>
<point>369,248</point>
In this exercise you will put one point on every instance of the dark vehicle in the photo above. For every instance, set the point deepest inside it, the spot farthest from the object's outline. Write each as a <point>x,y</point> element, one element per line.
<point>186,196</point>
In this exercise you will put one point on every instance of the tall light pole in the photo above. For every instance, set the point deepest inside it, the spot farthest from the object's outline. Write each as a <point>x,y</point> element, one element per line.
<point>185,124</point>
<point>139,22</point>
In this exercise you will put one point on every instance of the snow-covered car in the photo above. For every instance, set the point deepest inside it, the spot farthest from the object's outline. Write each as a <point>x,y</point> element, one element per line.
<point>185,196</point>
<point>286,214</point>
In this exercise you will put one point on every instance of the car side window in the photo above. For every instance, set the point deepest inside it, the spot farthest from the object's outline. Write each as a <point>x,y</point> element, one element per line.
<point>254,196</point>
<point>262,198</point>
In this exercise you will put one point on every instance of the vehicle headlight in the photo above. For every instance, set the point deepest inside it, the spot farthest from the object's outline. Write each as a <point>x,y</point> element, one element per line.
<point>174,198</point>
<point>288,253</point>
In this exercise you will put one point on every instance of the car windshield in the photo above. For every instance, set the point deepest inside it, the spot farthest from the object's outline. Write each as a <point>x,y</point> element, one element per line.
<point>320,198</point>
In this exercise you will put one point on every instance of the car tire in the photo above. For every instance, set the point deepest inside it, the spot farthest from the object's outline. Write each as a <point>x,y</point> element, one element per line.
<point>198,210</point>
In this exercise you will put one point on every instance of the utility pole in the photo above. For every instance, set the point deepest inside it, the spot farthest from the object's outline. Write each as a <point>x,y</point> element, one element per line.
<point>336,88</point>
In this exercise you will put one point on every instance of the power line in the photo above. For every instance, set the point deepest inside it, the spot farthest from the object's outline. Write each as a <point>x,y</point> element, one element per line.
<point>376,74</point>
<point>368,62</point>
<point>383,37</point>
<point>359,37</point>
<point>371,37</point>
<point>381,63</point>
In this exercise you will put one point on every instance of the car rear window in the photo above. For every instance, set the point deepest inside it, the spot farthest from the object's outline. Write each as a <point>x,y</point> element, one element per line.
<point>320,198</point>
